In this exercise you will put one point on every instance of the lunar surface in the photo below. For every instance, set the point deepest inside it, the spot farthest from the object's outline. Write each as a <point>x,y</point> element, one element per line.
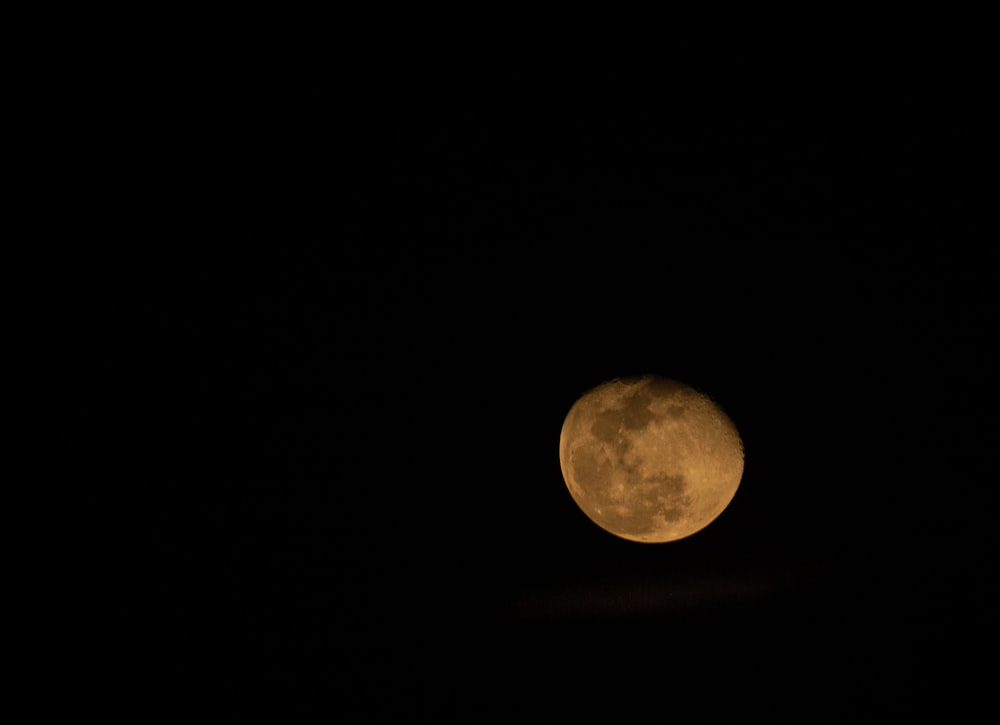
<point>650,459</point>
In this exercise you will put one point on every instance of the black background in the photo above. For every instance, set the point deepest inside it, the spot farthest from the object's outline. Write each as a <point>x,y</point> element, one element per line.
<point>377,291</point>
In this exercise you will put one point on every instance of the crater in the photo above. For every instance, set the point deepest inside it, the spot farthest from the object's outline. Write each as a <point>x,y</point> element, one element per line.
<point>663,389</point>
<point>668,486</point>
<point>636,413</point>
<point>672,515</point>
<point>606,424</point>
<point>590,469</point>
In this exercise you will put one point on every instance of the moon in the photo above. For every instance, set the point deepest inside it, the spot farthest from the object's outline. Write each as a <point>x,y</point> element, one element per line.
<point>650,459</point>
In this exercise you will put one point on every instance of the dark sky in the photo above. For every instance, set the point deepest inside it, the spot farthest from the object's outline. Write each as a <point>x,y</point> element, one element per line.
<point>379,291</point>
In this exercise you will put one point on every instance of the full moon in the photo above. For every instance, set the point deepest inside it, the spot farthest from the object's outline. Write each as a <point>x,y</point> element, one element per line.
<point>650,459</point>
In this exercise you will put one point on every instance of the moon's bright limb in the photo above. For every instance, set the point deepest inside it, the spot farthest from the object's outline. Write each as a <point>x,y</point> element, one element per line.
<point>650,459</point>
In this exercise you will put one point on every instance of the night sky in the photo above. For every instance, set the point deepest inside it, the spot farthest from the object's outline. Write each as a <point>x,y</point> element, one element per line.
<point>377,294</point>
